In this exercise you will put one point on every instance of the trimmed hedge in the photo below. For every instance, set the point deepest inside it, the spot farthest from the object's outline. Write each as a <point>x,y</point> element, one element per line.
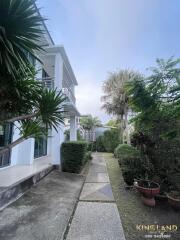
<point>129,161</point>
<point>125,151</point>
<point>87,156</point>
<point>73,155</point>
<point>110,140</point>
<point>91,146</point>
<point>99,146</point>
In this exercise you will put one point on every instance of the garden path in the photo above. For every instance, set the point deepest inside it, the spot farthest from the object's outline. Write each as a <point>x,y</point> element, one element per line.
<point>96,216</point>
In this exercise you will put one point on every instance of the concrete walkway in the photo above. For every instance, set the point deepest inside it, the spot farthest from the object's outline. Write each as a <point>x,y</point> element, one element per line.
<point>44,211</point>
<point>96,216</point>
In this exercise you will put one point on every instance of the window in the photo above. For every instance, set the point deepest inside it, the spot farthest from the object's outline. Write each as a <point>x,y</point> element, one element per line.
<point>40,147</point>
<point>44,74</point>
<point>5,139</point>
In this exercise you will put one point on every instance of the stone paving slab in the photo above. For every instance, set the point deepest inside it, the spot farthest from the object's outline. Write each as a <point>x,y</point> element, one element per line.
<point>97,177</point>
<point>44,211</point>
<point>95,168</point>
<point>100,162</point>
<point>96,221</point>
<point>97,192</point>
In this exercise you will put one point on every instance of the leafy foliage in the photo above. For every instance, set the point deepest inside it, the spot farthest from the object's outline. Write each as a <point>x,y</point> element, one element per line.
<point>20,34</point>
<point>116,98</point>
<point>130,162</point>
<point>155,100</point>
<point>99,144</point>
<point>112,123</point>
<point>73,156</point>
<point>89,122</point>
<point>87,156</point>
<point>110,140</point>
<point>23,100</point>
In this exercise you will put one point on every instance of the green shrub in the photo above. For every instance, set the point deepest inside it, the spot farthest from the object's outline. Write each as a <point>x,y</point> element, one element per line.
<point>110,140</point>
<point>99,146</point>
<point>130,162</point>
<point>73,154</point>
<point>91,146</point>
<point>126,151</point>
<point>87,156</point>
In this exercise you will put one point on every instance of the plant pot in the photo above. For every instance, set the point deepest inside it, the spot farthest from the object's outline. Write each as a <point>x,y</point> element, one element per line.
<point>150,202</point>
<point>161,198</point>
<point>174,202</point>
<point>148,188</point>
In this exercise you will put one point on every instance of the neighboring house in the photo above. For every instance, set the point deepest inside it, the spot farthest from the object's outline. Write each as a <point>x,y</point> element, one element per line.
<point>55,72</point>
<point>92,135</point>
<point>99,131</point>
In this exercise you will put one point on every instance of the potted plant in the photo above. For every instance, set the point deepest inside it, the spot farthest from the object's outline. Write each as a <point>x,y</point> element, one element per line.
<point>148,189</point>
<point>174,199</point>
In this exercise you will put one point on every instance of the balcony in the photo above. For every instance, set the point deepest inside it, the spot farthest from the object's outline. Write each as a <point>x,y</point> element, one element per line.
<point>49,83</point>
<point>70,96</point>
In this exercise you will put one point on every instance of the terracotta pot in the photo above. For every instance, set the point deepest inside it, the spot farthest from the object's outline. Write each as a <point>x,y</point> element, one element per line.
<point>174,202</point>
<point>148,191</point>
<point>161,198</point>
<point>148,201</point>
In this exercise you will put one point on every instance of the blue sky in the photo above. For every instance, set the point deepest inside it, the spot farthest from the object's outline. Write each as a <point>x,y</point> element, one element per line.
<point>107,35</point>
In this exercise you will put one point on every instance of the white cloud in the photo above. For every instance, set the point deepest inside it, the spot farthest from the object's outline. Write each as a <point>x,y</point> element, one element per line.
<point>88,95</point>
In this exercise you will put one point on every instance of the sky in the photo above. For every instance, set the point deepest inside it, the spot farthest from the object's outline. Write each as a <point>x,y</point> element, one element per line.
<point>102,36</point>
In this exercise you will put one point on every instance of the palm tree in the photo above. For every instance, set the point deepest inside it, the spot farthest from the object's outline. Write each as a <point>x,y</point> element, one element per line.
<point>116,98</point>
<point>22,99</point>
<point>88,123</point>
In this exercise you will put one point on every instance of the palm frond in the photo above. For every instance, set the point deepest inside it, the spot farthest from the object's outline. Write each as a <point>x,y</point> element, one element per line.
<point>20,34</point>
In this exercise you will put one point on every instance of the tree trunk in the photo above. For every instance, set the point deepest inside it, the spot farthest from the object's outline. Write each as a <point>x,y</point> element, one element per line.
<point>23,117</point>
<point>11,145</point>
<point>121,130</point>
<point>126,126</point>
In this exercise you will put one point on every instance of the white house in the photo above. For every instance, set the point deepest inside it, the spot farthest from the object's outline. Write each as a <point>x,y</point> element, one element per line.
<point>33,155</point>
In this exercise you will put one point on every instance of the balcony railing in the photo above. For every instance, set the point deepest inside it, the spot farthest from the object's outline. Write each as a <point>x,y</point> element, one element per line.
<point>69,95</point>
<point>49,83</point>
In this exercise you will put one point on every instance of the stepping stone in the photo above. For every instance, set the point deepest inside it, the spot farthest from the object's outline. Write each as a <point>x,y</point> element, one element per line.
<point>97,168</point>
<point>97,178</point>
<point>97,192</point>
<point>99,162</point>
<point>93,221</point>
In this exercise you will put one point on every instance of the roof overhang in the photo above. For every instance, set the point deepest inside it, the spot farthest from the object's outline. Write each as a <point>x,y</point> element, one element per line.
<point>71,110</point>
<point>60,49</point>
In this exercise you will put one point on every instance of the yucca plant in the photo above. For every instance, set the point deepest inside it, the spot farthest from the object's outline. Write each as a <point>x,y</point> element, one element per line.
<point>23,101</point>
<point>20,34</point>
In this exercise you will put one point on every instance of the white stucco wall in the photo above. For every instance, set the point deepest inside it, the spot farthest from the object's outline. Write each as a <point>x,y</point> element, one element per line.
<point>23,153</point>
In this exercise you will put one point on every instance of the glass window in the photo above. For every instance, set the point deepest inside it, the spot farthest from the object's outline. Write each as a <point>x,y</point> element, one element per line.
<point>40,147</point>
<point>5,139</point>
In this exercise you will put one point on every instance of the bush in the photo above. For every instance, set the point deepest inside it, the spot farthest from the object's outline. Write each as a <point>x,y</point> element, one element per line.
<point>125,151</point>
<point>110,140</point>
<point>130,162</point>
<point>91,146</point>
<point>87,156</point>
<point>73,154</point>
<point>99,146</point>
